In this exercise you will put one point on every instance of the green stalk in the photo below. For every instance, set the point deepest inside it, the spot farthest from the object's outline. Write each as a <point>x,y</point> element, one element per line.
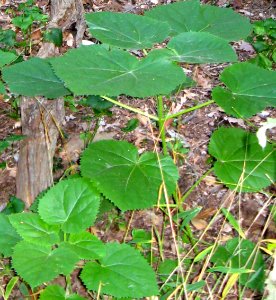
<point>161,123</point>
<point>138,111</point>
<point>185,111</point>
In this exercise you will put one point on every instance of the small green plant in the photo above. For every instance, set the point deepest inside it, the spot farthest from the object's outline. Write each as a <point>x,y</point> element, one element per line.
<point>55,236</point>
<point>263,40</point>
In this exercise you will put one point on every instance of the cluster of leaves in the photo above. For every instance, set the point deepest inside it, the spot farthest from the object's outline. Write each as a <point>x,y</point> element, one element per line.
<point>263,40</point>
<point>196,35</point>
<point>55,238</point>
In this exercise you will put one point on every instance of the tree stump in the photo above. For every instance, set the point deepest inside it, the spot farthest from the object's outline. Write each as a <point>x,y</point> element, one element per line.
<point>40,117</point>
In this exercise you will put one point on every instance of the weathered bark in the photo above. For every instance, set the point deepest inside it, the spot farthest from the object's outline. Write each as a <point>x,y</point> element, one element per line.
<point>41,118</point>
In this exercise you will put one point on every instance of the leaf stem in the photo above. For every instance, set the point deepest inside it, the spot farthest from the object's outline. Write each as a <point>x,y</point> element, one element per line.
<point>185,111</point>
<point>138,111</point>
<point>161,123</point>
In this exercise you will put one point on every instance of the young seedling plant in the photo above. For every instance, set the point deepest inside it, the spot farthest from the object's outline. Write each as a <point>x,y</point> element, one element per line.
<point>54,237</point>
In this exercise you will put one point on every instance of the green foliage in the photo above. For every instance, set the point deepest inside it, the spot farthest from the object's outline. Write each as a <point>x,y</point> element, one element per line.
<point>115,72</point>
<point>6,58</point>
<point>249,90</point>
<point>57,292</point>
<point>53,35</point>
<point>32,229</point>
<point>29,14</point>
<point>191,16</point>
<point>241,255</point>
<point>55,239</point>
<point>131,125</point>
<point>200,47</point>
<point>7,37</point>
<point>241,162</point>
<point>123,272</point>
<point>4,144</point>
<point>125,30</point>
<point>73,204</point>
<point>34,77</point>
<point>8,236</point>
<point>120,174</point>
<point>263,40</point>
<point>29,258</point>
<point>14,206</point>
<point>54,235</point>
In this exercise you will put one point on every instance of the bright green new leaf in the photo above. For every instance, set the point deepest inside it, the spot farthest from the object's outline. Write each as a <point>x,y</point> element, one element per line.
<point>38,263</point>
<point>56,292</point>
<point>123,272</point>
<point>249,90</point>
<point>126,30</point>
<point>72,203</point>
<point>241,162</point>
<point>130,181</point>
<point>191,16</point>
<point>201,47</point>
<point>34,77</point>
<point>6,58</point>
<point>115,72</point>
<point>32,229</point>
<point>86,245</point>
<point>2,88</point>
<point>240,256</point>
<point>8,236</point>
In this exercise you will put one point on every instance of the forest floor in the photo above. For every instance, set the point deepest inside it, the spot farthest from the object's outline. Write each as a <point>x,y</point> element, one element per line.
<point>193,131</point>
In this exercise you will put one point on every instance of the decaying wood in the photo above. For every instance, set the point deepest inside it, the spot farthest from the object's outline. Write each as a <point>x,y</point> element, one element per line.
<point>41,118</point>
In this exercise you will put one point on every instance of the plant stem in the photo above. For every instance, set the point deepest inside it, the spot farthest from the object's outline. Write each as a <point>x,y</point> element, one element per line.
<point>138,111</point>
<point>161,123</point>
<point>189,110</point>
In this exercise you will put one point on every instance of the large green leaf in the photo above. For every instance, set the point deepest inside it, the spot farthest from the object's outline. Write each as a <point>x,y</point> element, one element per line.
<point>38,263</point>
<point>241,162</point>
<point>249,90</point>
<point>86,245</point>
<point>72,203</point>
<point>34,77</point>
<point>126,30</point>
<point>123,272</point>
<point>6,58</point>
<point>56,292</point>
<point>31,228</point>
<point>115,72</point>
<point>201,47</point>
<point>241,254</point>
<point>191,16</point>
<point>130,181</point>
<point>8,236</point>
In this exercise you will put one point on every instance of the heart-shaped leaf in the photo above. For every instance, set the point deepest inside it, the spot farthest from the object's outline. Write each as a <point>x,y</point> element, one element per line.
<point>191,16</point>
<point>31,228</point>
<point>130,181</point>
<point>34,77</point>
<point>123,272</point>
<point>115,72</point>
<point>72,203</point>
<point>126,30</point>
<point>37,263</point>
<point>241,162</point>
<point>200,47</point>
<point>8,236</point>
<point>249,90</point>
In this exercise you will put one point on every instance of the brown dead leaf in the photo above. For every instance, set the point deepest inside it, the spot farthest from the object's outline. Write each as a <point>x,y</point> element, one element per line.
<point>143,120</point>
<point>201,79</point>
<point>207,213</point>
<point>199,224</point>
<point>36,36</point>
